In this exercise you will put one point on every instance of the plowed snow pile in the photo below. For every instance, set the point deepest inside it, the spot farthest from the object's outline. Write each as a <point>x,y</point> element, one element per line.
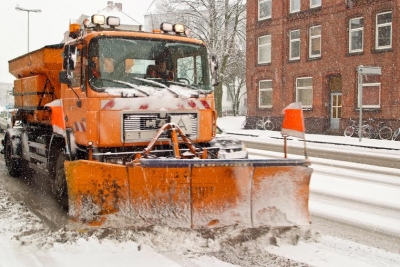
<point>26,240</point>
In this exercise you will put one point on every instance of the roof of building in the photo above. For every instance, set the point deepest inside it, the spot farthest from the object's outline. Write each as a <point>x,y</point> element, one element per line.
<point>115,9</point>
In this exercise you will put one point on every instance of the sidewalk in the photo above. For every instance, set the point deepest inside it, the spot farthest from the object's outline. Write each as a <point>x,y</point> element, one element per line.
<point>232,126</point>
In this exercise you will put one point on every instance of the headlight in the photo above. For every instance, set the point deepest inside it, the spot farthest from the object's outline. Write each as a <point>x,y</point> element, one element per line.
<point>179,28</point>
<point>113,21</point>
<point>98,19</point>
<point>166,27</point>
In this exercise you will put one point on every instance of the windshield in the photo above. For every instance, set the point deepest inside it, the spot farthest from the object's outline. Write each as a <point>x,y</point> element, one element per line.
<point>116,62</point>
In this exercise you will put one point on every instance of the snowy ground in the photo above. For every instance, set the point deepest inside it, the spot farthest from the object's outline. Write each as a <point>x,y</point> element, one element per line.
<point>26,241</point>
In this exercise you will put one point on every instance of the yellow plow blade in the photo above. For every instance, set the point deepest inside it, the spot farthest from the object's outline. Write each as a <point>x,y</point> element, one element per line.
<point>191,193</point>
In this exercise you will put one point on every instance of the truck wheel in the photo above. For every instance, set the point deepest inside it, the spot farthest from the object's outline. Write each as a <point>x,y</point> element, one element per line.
<point>26,172</point>
<point>59,187</point>
<point>13,163</point>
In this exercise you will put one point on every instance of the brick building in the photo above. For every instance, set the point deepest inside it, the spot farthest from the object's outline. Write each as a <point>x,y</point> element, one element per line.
<point>309,51</point>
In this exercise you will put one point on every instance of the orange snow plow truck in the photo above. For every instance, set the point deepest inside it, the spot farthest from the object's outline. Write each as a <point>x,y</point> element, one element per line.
<point>120,123</point>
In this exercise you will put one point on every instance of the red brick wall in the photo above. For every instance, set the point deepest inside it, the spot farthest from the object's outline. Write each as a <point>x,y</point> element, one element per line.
<point>333,16</point>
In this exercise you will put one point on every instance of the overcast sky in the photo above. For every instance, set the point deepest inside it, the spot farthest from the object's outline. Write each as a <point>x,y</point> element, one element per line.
<point>48,27</point>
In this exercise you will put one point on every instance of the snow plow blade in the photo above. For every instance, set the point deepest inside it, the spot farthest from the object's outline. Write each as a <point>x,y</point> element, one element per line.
<point>191,193</point>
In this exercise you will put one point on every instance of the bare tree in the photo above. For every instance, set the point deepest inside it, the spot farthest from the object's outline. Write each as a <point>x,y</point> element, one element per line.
<point>219,23</point>
<point>235,80</point>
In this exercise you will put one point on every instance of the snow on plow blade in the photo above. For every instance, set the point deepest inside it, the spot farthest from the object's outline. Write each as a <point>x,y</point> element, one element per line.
<point>191,193</point>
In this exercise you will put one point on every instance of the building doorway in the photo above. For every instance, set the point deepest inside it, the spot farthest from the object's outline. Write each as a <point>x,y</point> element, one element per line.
<point>335,91</point>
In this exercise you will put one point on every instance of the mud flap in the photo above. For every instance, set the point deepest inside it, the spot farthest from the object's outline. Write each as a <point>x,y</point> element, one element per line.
<point>192,193</point>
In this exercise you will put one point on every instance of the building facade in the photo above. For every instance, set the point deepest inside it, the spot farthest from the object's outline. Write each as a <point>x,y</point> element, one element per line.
<point>309,51</point>
<point>6,96</point>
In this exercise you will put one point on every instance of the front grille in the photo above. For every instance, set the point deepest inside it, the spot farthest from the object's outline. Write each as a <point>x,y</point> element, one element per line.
<point>143,127</point>
<point>140,122</point>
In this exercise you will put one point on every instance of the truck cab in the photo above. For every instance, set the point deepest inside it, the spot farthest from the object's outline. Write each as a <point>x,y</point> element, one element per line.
<point>111,102</point>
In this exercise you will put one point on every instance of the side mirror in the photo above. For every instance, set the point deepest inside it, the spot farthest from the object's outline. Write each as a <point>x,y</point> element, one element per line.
<point>63,77</point>
<point>69,63</point>
<point>69,56</point>
<point>214,71</point>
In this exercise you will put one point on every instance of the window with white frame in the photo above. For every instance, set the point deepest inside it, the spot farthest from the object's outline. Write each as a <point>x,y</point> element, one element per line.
<point>294,48</point>
<point>264,9</point>
<point>371,94</point>
<point>356,35</point>
<point>294,6</point>
<point>315,41</point>
<point>265,94</point>
<point>264,49</point>
<point>383,38</point>
<point>304,91</point>
<point>315,3</point>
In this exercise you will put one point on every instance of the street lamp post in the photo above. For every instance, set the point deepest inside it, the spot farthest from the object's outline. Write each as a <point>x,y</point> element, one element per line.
<point>28,11</point>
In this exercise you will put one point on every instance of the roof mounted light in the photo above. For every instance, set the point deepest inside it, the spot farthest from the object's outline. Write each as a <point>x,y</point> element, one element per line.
<point>178,29</point>
<point>166,27</point>
<point>98,19</point>
<point>187,32</point>
<point>74,27</point>
<point>86,23</point>
<point>113,21</point>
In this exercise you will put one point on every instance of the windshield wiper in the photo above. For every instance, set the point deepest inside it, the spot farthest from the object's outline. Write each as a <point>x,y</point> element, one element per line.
<point>156,83</point>
<point>184,85</point>
<point>199,90</point>
<point>131,85</point>
<point>151,82</point>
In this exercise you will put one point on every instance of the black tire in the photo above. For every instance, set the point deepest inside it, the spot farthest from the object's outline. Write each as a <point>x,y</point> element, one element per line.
<point>385,133</point>
<point>27,173</point>
<point>260,125</point>
<point>243,125</point>
<point>396,134</point>
<point>59,186</point>
<point>366,131</point>
<point>349,131</point>
<point>12,162</point>
<point>269,126</point>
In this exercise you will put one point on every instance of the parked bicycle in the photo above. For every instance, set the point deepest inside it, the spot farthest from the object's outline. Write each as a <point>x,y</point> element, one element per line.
<point>247,124</point>
<point>265,124</point>
<point>383,131</point>
<point>352,130</point>
<point>396,134</point>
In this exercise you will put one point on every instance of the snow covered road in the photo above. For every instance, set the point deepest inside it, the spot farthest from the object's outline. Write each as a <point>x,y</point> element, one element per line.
<point>26,241</point>
<point>358,194</point>
<point>336,194</point>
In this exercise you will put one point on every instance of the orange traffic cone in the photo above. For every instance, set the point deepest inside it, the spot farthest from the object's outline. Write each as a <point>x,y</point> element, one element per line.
<point>293,123</point>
